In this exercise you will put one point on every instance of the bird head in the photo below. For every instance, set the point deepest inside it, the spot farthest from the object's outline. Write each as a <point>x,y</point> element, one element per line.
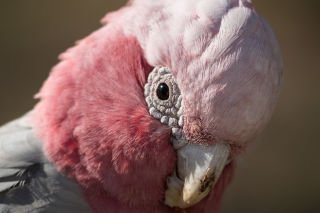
<point>155,106</point>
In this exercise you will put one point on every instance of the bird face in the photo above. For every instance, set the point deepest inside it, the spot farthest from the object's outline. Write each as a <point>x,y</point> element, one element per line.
<point>215,92</point>
<point>199,165</point>
<point>167,96</point>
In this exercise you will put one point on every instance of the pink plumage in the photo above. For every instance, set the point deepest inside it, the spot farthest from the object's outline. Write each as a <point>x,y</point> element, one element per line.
<point>101,133</point>
<point>94,120</point>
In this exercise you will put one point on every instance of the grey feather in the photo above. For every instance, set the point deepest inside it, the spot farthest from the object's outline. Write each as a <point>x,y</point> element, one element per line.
<point>28,181</point>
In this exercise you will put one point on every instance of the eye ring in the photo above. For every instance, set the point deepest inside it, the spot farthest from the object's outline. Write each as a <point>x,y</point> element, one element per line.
<point>164,98</point>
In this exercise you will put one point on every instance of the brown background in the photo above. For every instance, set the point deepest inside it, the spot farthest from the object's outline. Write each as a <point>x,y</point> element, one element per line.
<point>281,173</point>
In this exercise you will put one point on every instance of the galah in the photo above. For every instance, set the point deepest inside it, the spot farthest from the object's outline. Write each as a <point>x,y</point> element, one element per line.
<point>147,114</point>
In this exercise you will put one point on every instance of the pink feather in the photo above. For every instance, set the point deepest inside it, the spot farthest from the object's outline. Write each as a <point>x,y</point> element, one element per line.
<point>93,118</point>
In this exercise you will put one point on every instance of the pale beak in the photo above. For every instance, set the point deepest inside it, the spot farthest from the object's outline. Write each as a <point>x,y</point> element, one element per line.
<point>198,169</point>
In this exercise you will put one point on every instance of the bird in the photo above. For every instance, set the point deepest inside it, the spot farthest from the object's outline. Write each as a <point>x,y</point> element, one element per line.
<point>149,113</point>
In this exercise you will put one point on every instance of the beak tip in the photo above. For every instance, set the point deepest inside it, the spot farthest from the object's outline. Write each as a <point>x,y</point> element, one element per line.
<point>191,197</point>
<point>198,169</point>
<point>188,195</point>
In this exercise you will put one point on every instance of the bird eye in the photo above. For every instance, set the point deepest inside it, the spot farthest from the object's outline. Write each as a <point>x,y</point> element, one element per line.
<point>163,91</point>
<point>164,98</point>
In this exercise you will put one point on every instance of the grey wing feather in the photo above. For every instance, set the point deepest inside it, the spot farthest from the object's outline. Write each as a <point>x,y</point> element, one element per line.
<point>28,181</point>
<point>19,149</point>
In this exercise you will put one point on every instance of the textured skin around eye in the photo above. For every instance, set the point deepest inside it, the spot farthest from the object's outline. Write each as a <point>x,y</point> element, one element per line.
<point>164,103</point>
<point>166,107</point>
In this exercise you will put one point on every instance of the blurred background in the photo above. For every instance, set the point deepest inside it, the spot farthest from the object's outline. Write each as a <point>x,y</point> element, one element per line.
<point>280,173</point>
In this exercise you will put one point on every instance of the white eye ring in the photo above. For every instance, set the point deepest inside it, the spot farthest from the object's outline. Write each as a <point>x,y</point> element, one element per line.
<point>169,109</point>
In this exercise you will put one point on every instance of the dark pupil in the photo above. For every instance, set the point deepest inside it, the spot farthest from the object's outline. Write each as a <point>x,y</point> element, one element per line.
<point>163,91</point>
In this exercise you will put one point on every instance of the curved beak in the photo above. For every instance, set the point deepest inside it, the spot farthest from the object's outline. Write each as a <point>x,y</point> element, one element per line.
<point>198,169</point>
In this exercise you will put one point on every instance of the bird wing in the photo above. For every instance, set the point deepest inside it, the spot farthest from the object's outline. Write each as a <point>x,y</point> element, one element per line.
<point>28,181</point>
<point>19,151</point>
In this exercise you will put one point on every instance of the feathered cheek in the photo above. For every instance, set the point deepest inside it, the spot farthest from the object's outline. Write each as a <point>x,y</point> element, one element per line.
<point>134,154</point>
